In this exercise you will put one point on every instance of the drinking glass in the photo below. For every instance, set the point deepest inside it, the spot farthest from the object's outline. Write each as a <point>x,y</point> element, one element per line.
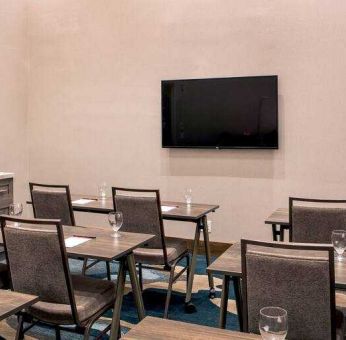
<point>339,242</point>
<point>188,196</point>
<point>115,219</point>
<point>102,191</point>
<point>273,323</point>
<point>16,209</point>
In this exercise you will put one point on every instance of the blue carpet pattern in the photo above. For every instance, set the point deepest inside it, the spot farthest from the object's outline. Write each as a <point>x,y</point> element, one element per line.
<point>155,285</point>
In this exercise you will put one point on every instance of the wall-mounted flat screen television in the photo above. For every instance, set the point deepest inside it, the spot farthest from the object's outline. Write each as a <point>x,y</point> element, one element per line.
<point>221,113</point>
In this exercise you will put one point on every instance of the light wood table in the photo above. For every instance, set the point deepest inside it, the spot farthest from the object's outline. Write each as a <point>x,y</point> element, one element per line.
<point>229,265</point>
<point>195,213</point>
<point>157,329</point>
<point>13,302</point>
<point>104,247</point>
<point>279,221</point>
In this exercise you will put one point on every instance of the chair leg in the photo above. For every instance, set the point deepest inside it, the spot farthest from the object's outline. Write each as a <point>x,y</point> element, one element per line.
<point>169,292</point>
<point>140,276</point>
<point>57,333</point>
<point>187,270</point>
<point>85,262</point>
<point>20,333</point>
<point>108,266</point>
<point>87,331</point>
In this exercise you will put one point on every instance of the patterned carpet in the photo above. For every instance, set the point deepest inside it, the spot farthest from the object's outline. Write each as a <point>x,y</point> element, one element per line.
<point>155,285</point>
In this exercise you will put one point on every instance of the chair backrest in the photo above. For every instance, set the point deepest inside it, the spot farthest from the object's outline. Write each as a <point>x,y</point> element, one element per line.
<point>296,277</point>
<point>36,257</point>
<point>313,220</point>
<point>141,210</point>
<point>52,202</point>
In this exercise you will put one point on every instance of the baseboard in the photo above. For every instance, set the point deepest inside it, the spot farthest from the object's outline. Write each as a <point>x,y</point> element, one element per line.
<point>216,248</point>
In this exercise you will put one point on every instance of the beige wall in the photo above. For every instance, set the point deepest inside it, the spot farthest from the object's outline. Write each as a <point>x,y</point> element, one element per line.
<point>13,77</point>
<point>94,99</point>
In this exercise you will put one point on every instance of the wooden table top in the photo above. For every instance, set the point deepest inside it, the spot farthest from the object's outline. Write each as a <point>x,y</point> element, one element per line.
<point>181,211</point>
<point>279,216</point>
<point>13,302</point>
<point>156,329</point>
<point>229,263</point>
<point>102,246</point>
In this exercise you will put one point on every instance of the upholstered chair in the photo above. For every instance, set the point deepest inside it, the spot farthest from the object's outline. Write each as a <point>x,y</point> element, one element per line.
<point>37,261</point>
<point>296,277</point>
<point>142,214</point>
<point>54,202</point>
<point>313,220</point>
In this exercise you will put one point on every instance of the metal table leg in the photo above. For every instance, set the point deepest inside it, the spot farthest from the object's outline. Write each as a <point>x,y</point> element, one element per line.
<point>189,307</point>
<point>20,333</point>
<point>238,299</point>
<point>224,301</point>
<point>108,268</point>
<point>278,231</point>
<point>282,233</point>
<point>136,290</point>
<point>275,232</point>
<point>115,327</point>
<point>204,226</point>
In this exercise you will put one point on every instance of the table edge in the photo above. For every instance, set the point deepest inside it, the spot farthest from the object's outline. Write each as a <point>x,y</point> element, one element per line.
<point>18,309</point>
<point>104,258</point>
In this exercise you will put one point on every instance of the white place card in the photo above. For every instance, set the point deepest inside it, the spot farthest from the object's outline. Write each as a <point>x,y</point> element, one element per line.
<point>166,208</point>
<point>82,201</point>
<point>74,241</point>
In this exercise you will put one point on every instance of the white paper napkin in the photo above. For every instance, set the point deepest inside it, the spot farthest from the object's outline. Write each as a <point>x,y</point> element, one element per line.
<point>166,208</point>
<point>75,241</point>
<point>82,201</point>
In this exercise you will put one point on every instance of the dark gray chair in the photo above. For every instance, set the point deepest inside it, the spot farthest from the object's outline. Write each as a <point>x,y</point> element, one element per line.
<point>54,202</point>
<point>313,220</point>
<point>36,256</point>
<point>142,214</point>
<point>296,277</point>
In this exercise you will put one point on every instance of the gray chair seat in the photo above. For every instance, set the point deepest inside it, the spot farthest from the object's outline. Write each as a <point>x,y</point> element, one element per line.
<point>154,256</point>
<point>91,295</point>
<point>4,278</point>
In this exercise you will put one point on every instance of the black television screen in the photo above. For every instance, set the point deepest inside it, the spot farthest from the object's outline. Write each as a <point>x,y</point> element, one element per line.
<point>220,113</point>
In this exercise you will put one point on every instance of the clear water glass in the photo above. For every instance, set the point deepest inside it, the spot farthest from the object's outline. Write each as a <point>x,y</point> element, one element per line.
<point>102,191</point>
<point>188,196</point>
<point>273,323</point>
<point>115,219</point>
<point>339,242</point>
<point>15,209</point>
